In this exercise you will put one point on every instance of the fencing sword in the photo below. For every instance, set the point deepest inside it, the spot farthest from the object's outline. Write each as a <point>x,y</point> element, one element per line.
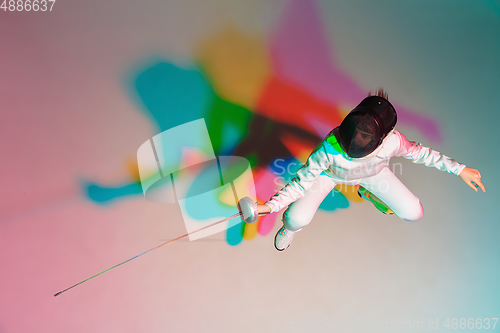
<point>247,209</point>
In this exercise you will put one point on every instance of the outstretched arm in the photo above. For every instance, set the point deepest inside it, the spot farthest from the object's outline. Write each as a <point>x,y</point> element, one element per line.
<point>317,162</point>
<point>420,154</point>
<point>472,177</point>
<point>417,153</point>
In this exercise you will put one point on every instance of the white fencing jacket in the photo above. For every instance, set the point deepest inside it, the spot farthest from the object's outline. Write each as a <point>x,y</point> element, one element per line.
<point>328,158</point>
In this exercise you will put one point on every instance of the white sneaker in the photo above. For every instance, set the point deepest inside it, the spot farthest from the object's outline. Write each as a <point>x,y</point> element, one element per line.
<point>283,239</point>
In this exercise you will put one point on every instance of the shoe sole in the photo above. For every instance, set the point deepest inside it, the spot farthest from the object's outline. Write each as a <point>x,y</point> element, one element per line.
<point>380,207</point>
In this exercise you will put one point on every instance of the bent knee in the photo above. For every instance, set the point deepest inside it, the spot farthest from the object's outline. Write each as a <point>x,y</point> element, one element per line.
<point>295,222</point>
<point>414,212</point>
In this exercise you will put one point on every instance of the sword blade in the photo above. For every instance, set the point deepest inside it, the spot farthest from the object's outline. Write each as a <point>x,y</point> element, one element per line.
<point>154,248</point>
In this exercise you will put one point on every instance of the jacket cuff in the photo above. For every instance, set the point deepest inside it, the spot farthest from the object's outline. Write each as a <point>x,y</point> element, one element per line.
<point>271,205</point>
<point>460,168</point>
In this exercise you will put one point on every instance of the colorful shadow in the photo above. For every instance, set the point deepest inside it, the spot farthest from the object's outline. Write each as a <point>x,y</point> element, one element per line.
<point>269,104</point>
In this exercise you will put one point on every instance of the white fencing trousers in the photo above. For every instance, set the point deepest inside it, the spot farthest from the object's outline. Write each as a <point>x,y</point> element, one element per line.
<point>385,185</point>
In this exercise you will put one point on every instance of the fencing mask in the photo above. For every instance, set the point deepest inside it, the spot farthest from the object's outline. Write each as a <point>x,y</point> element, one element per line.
<point>366,126</point>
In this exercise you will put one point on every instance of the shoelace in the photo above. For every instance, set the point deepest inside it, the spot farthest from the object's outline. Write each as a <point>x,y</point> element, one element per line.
<point>365,194</point>
<point>283,231</point>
